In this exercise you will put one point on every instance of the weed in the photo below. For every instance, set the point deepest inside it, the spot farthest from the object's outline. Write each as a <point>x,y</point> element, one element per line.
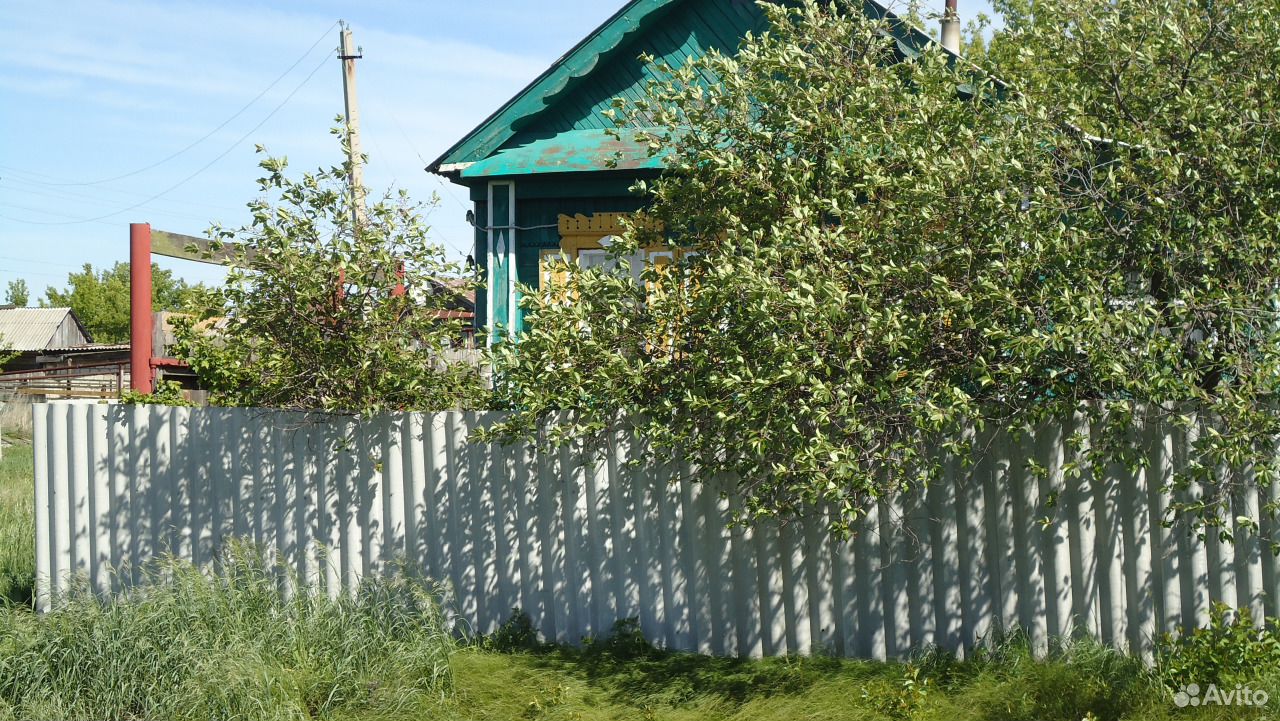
<point>899,699</point>
<point>1232,649</point>
<point>545,702</point>
<point>515,634</point>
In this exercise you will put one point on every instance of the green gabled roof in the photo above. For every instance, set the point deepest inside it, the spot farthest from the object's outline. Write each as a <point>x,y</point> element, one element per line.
<point>521,136</point>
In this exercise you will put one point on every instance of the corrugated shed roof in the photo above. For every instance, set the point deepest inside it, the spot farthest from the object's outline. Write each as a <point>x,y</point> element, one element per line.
<point>27,329</point>
<point>90,348</point>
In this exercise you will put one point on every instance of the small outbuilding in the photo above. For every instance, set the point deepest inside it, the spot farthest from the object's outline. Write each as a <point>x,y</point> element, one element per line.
<point>56,355</point>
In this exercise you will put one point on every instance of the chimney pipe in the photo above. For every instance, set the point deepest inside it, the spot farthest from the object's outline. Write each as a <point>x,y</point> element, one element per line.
<point>951,28</point>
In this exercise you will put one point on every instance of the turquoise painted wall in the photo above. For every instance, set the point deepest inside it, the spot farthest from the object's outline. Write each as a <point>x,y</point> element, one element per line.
<point>540,201</point>
<point>690,29</point>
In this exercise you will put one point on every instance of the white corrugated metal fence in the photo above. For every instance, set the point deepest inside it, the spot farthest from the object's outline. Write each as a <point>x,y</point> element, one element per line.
<point>579,546</point>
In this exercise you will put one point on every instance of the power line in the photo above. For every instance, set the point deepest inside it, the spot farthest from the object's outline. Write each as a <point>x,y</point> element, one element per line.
<point>413,146</point>
<point>41,262</point>
<point>384,109</point>
<point>42,274</point>
<point>92,193</point>
<point>63,195</point>
<point>207,135</point>
<point>187,179</point>
<point>40,210</point>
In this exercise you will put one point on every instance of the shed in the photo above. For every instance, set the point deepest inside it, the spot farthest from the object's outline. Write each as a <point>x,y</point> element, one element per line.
<point>41,329</point>
<point>538,170</point>
<point>56,356</point>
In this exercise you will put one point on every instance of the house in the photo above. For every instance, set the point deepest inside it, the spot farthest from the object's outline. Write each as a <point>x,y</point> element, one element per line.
<point>42,335</point>
<point>538,169</point>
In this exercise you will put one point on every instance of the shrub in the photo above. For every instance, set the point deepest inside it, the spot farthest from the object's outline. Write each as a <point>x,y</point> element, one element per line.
<point>318,314</point>
<point>167,393</point>
<point>625,642</point>
<point>1232,649</point>
<point>515,634</point>
<point>227,644</point>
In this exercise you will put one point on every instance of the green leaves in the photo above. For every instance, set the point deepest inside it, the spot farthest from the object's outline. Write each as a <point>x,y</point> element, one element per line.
<point>311,319</point>
<point>884,263</point>
<point>17,294</point>
<point>100,298</point>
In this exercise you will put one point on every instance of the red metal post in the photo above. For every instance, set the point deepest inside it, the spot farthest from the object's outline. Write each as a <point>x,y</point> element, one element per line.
<point>141,377</point>
<point>398,291</point>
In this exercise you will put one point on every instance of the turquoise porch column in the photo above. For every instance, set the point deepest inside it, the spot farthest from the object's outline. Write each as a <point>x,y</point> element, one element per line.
<point>500,284</point>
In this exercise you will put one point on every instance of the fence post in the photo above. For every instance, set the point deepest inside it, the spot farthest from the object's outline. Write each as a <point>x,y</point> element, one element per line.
<point>140,375</point>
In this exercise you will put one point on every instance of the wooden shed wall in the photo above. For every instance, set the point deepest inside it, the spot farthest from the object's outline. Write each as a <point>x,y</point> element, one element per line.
<point>68,334</point>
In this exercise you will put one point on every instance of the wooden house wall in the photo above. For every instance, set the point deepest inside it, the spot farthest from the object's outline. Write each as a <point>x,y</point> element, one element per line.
<point>68,334</point>
<point>541,216</point>
<point>548,140</point>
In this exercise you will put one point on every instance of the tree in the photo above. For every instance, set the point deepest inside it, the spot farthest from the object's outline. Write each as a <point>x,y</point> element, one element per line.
<point>101,298</point>
<point>309,317</point>
<point>1178,100</point>
<point>17,294</point>
<point>890,253</point>
<point>6,352</point>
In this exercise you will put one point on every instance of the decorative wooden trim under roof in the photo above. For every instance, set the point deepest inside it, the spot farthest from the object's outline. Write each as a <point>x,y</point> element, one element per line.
<point>596,224</point>
<point>502,124</point>
<point>483,141</point>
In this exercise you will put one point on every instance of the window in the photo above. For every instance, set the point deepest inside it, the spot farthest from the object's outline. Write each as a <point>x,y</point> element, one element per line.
<point>585,240</point>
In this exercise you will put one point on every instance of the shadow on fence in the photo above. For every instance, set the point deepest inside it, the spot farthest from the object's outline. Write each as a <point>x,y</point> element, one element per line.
<point>578,545</point>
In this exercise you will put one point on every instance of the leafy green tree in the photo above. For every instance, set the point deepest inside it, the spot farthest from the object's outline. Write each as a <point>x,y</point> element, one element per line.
<point>100,298</point>
<point>309,317</point>
<point>892,254</point>
<point>17,294</point>
<point>1180,100</point>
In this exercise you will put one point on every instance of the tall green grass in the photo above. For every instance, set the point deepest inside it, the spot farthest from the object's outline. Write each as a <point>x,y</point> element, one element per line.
<point>17,525</point>
<point>228,645</point>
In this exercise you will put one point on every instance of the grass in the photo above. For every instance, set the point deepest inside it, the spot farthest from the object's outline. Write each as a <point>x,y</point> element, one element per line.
<point>623,678</point>
<point>229,645</point>
<point>198,645</point>
<point>17,523</point>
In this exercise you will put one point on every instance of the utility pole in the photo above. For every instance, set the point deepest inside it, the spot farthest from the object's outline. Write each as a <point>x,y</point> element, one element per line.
<point>951,27</point>
<point>348,54</point>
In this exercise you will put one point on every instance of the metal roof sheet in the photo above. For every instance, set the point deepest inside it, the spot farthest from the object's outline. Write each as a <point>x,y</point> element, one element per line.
<point>27,329</point>
<point>574,150</point>
<point>89,348</point>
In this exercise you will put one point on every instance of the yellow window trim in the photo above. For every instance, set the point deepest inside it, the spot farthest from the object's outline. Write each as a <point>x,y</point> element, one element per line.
<point>584,232</point>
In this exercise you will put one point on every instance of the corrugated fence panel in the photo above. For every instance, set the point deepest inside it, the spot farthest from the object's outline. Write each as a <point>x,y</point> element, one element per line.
<point>580,541</point>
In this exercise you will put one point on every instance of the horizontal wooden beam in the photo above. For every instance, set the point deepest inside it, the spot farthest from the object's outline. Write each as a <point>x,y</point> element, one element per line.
<point>189,247</point>
<point>30,391</point>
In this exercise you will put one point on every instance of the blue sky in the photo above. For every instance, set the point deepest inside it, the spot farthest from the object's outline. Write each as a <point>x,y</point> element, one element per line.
<point>97,89</point>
